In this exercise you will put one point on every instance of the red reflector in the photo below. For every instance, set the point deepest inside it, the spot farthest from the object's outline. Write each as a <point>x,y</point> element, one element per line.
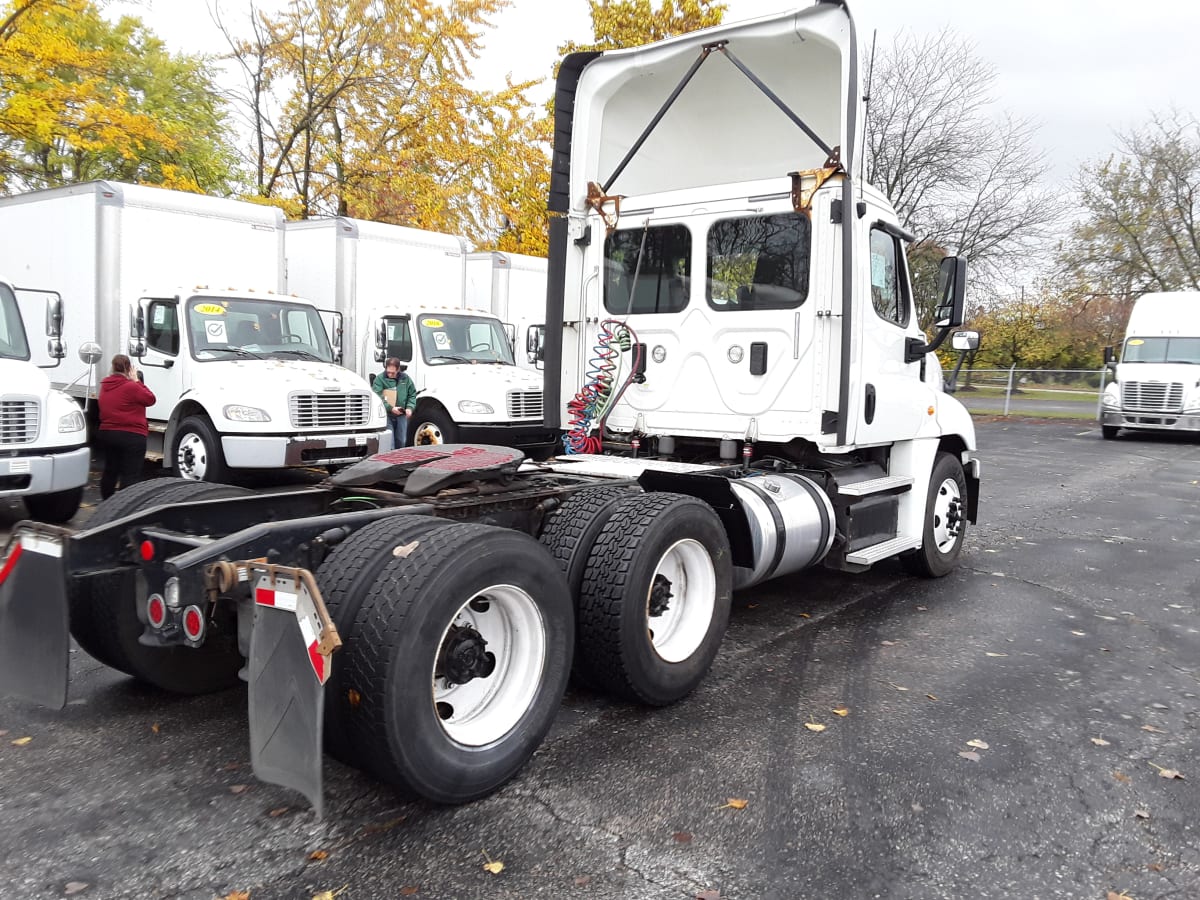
<point>147,549</point>
<point>193,623</point>
<point>157,610</point>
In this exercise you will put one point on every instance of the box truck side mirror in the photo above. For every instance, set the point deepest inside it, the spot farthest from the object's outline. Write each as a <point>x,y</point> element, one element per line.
<point>952,292</point>
<point>965,340</point>
<point>137,332</point>
<point>90,353</point>
<point>54,319</point>
<point>535,343</point>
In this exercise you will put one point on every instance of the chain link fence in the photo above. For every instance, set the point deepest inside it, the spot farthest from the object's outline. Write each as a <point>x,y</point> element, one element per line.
<point>1036,393</point>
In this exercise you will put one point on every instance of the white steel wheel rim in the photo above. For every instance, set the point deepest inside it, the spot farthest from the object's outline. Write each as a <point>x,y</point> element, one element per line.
<point>427,433</point>
<point>948,498</point>
<point>191,456</point>
<point>485,709</point>
<point>678,631</point>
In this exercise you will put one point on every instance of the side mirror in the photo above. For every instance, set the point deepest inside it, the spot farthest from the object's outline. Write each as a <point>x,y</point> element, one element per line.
<point>965,340</point>
<point>535,343</point>
<point>952,292</point>
<point>137,332</point>
<point>90,353</point>
<point>137,347</point>
<point>54,321</point>
<point>55,349</point>
<point>380,337</point>
<point>1109,355</point>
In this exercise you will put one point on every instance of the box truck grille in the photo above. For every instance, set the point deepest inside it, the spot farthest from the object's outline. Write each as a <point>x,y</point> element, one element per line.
<point>18,421</point>
<point>1152,396</point>
<point>524,404</point>
<point>329,410</point>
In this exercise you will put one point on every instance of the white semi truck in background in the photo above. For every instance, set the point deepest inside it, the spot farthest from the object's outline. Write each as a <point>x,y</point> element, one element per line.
<point>513,287</point>
<point>43,436</point>
<point>734,351</point>
<point>191,287</point>
<point>1156,384</point>
<point>402,292</point>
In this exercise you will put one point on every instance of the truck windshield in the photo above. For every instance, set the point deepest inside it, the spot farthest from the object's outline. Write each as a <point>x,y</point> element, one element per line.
<point>267,328</point>
<point>13,344</point>
<point>1162,350</point>
<point>455,340</point>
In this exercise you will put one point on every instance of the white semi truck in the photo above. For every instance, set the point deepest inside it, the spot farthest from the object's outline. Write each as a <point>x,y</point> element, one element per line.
<point>734,351</point>
<point>1156,384</point>
<point>43,437</point>
<point>402,292</point>
<point>513,287</point>
<point>190,286</point>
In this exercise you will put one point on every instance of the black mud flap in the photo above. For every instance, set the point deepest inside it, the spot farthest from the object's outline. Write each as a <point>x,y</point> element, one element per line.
<point>290,649</point>
<point>35,636</point>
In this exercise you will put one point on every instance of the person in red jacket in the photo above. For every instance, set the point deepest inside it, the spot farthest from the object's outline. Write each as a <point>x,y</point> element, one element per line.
<point>123,402</point>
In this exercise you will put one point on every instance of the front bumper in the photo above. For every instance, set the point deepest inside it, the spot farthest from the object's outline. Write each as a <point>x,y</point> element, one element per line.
<point>1150,421</point>
<point>507,434</point>
<point>44,474</point>
<point>273,451</point>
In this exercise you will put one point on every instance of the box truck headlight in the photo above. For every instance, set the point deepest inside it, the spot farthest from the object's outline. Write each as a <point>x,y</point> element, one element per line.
<point>72,421</point>
<point>235,413</point>
<point>1111,397</point>
<point>475,407</point>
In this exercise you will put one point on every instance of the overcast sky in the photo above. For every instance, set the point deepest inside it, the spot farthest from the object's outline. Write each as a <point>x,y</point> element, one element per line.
<point>1079,68</point>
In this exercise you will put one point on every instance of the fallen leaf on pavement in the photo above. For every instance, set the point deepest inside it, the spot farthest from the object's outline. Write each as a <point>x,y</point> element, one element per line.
<point>931,697</point>
<point>409,889</point>
<point>354,697</point>
<point>1079,633</point>
<point>21,742</point>
<point>1153,730</point>
<point>1155,867</point>
<point>1113,895</point>
<point>841,711</point>
<point>978,744</point>
<point>329,895</point>
<point>1100,742</point>
<point>898,687</point>
<point>888,643</point>
<point>583,880</point>
<point>1142,813</point>
<point>1168,773</point>
<point>1121,777</point>
<point>990,653</point>
<point>239,788</point>
<point>3,732</point>
<point>279,811</point>
<point>154,728</point>
<point>709,895</point>
<point>734,803</point>
<point>74,887</point>
<point>682,836</point>
<point>318,855</point>
<point>805,616</point>
<point>814,726</point>
<point>237,895</point>
<point>969,754</point>
<point>494,866</point>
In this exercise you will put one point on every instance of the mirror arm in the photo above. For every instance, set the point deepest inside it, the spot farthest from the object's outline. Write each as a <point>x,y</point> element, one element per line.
<point>915,348</point>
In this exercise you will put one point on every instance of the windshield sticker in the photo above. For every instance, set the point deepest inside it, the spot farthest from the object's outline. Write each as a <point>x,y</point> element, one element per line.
<point>433,323</point>
<point>1136,342</point>
<point>441,340</point>
<point>210,309</point>
<point>215,332</point>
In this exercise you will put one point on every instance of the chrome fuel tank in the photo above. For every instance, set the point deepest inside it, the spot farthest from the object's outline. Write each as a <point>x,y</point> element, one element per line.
<point>791,525</point>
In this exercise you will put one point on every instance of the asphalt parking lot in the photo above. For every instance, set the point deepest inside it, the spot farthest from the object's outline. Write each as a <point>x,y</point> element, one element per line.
<point>1011,730</point>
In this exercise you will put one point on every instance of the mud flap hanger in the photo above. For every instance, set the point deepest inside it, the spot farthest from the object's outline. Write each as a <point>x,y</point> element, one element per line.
<point>598,195</point>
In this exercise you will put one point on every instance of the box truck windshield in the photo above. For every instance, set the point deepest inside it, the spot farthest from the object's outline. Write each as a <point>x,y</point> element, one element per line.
<point>13,344</point>
<point>458,340</point>
<point>219,328</point>
<point>1162,350</point>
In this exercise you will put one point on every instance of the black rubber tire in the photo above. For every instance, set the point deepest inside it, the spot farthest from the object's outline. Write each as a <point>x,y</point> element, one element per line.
<point>569,531</point>
<point>429,418</point>
<point>1109,432</point>
<point>345,577</point>
<point>56,508</point>
<point>215,469</point>
<point>104,617</point>
<point>390,661</point>
<point>927,561</point>
<point>613,647</point>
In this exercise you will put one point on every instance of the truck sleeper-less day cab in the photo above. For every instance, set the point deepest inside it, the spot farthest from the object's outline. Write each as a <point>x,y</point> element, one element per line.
<point>402,293</point>
<point>43,437</point>
<point>244,377</point>
<point>735,357</point>
<point>1156,385</point>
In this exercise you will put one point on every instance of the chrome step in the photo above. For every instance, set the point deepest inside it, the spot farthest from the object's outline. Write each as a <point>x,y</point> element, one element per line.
<point>160,427</point>
<point>867,556</point>
<point>875,485</point>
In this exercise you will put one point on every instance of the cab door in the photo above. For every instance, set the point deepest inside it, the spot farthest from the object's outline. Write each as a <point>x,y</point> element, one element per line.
<point>892,401</point>
<point>162,366</point>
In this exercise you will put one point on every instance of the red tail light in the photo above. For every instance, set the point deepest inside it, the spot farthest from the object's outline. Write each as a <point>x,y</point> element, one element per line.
<point>156,610</point>
<point>193,623</point>
<point>147,551</point>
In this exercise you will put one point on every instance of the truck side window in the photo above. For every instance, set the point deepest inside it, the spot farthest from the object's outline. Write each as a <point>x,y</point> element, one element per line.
<point>399,339</point>
<point>759,262</point>
<point>889,286</point>
<point>162,326</point>
<point>662,276</point>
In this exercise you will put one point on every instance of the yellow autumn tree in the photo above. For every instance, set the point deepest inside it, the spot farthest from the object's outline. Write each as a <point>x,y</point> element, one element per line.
<point>84,98</point>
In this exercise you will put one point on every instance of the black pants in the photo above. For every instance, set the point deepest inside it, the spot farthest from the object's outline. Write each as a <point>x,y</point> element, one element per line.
<point>124,457</point>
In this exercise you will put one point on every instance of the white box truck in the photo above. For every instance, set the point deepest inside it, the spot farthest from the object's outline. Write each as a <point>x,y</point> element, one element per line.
<point>43,437</point>
<point>513,287</point>
<point>245,377</point>
<point>1156,384</point>
<point>402,292</point>
<point>757,397</point>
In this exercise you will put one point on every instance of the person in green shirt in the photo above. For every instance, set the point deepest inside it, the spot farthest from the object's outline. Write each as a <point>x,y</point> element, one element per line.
<point>400,403</point>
